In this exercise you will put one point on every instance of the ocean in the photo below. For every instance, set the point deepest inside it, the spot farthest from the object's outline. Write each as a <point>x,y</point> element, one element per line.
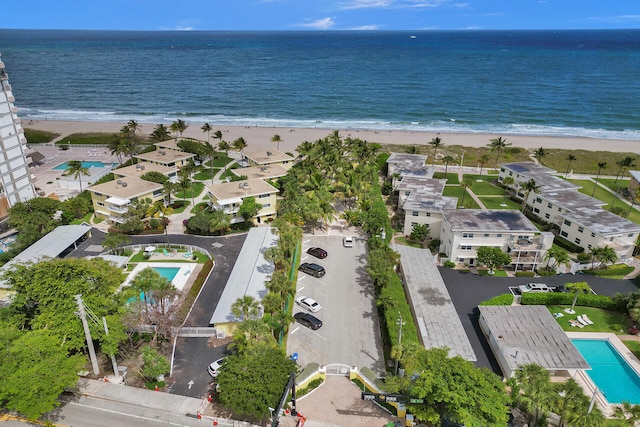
<point>561,83</point>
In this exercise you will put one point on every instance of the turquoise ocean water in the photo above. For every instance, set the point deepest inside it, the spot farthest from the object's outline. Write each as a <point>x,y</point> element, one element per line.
<point>578,83</point>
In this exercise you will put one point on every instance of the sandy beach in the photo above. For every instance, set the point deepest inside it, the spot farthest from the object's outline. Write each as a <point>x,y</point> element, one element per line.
<point>291,137</point>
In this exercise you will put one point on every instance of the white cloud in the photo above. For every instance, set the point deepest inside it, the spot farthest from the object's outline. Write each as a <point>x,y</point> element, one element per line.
<point>392,4</point>
<point>319,24</point>
<point>365,27</point>
<point>615,18</point>
<point>184,28</point>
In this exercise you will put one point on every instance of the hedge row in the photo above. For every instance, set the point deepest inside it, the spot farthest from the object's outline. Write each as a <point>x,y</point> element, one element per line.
<point>504,299</point>
<point>585,300</point>
<point>614,270</point>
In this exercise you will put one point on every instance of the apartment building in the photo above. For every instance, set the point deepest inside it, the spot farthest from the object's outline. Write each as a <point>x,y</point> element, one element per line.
<point>139,169</point>
<point>581,219</point>
<point>15,180</point>
<point>111,199</point>
<point>229,196</point>
<point>464,230</point>
<point>422,201</point>
<point>166,157</point>
<point>261,157</point>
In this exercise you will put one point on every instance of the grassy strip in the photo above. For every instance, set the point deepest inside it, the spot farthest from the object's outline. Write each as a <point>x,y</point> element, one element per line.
<point>634,346</point>
<point>194,191</point>
<point>93,138</point>
<point>603,320</point>
<point>35,136</point>
<point>206,174</point>
<point>492,202</point>
<point>457,191</point>
<point>195,288</point>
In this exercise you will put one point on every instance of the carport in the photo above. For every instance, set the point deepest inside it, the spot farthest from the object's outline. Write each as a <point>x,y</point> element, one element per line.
<point>520,335</point>
<point>434,312</point>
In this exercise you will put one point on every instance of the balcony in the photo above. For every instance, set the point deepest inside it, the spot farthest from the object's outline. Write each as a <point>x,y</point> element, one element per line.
<point>116,219</point>
<point>118,209</point>
<point>527,245</point>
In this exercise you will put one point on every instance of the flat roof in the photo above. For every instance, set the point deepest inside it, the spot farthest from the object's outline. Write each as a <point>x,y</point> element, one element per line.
<point>528,168</point>
<point>140,169</point>
<point>240,189</point>
<point>169,156</point>
<point>437,319</point>
<point>635,175</point>
<point>529,334</point>
<point>488,220</point>
<point>126,188</point>
<point>418,201</point>
<point>422,184</point>
<point>261,156</point>
<point>52,244</point>
<point>570,200</point>
<point>171,144</point>
<point>249,274</point>
<point>601,221</point>
<point>413,170</point>
<point>262,172</point>
<point>402,157</point>
<point>542,175</point>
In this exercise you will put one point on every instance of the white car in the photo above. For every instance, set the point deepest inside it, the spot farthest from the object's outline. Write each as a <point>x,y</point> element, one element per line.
<point>214,368</point>
<point>347,241</point>
<point>308,304</point>
<point>534,287</point>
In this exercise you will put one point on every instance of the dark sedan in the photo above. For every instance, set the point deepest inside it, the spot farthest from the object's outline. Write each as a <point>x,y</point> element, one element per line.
<point>317,252</point>
<point>308,320</point>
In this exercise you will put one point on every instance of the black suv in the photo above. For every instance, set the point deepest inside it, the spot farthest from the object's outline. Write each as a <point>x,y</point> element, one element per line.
<point>312,269</point>
<point>317,252</point>
<point>308,320</point>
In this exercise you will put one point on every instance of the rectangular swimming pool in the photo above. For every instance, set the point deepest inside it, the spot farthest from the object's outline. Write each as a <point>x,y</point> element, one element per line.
<point>167,272</point>
<point>65,165</point>
<point>609,371</point>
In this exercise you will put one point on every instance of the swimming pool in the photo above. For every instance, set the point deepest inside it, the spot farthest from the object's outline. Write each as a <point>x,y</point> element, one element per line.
<point>609,371</point>
<point>168,273</point>
<point>65,165</point>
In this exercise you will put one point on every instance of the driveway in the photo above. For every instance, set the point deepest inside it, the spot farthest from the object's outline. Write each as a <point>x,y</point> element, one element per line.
<point>351,331</point>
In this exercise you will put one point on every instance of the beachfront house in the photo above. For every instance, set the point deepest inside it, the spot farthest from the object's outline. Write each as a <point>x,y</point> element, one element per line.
<point>165,157</point>
<point>111,199</point>
<point>262,157</point>
<point>580,218</point>
<point>139,169</point>
<point>422,202</point>
<point>463,231</point>
<point>229,196</point>
<point>395,159</point>
<point>272,171</point>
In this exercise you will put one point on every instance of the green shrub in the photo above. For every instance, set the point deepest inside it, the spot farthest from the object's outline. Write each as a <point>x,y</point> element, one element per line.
<point>39,136</point>
<point>308,370</point>
<point>614,270</point>
<point>545,272</point>
<point>372,377</point>
<point>449,264</point>
<point>525,274</point>
<point>313,384</point>
<point>569,246</point>
<point>566,298</point>
<point>504,299</point>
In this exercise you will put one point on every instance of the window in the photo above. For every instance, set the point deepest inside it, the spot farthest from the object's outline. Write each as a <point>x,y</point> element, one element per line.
<point>465,247</point>
<point>499,235</point>
<point>547,216</point>
<point>577,241</point>
<point>98,194</point>
<point>415,213</point>
<point>581,229</point>
<point>467,235</point>
<point>262,196</point>
<point>428,213</point>
<point>564,234</point>
<point>413,224</point>
<point>486,235</point>
<point>589,247</point>
<point>406,193</point>
<point>593,234</point>
<point>630,235</point>
<point>99,203</point>
<point>538,200</point>
<point>536,210</point>
<point>559,209</point>
<point>567,223</point>
<point>549,205</point>
<point>266,205</point>
<point>501,169</point>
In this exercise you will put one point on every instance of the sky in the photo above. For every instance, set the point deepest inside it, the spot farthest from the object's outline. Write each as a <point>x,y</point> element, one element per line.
<point>325,15</point>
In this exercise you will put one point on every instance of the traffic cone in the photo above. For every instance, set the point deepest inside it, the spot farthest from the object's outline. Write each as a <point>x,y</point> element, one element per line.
<point>199,415</point>
<point>156,387</point>
<point>215,423</point>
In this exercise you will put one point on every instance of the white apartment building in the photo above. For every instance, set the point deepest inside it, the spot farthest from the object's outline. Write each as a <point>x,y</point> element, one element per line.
<point>581,218</point>
<point>15,179</point>
<point>464,230</point>
<point>422,202</point>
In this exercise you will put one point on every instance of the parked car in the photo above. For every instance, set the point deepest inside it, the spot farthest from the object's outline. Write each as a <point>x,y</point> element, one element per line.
<point>308,320</point>
<point>308,304</point>
<point>312,269</point>
<point>348,241</point>
<point>214,368</point>
<point>534,287</point>
<point>317,252</point>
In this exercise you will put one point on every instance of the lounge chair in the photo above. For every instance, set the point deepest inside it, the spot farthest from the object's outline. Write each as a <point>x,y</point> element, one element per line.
<point>581,320</point>
<point>586,319</point>
<point>558,315</point>
<point>187,254</point>
<point>575,323</point>
<point>165,252</point>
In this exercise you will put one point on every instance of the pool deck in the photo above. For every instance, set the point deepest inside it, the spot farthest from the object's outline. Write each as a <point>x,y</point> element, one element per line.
<point>584,380</point>
<point>185,271</point>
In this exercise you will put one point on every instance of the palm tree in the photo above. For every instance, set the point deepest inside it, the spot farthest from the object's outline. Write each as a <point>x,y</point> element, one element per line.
<point>465,184</point>
<point>163,210</point>
<point>507,181</point>
<point>239,144</point>
<point>528,187</point>
<point>606,255</point>
<point>276,138</point>
<point>539,153</point>
<point>211,152</point>
<point>168,188</point>
<point>133,127</point>
<point>498,144</point>
<point>447,159</point>
<point>77,169</point>
<point>570,158</point>
<point>484,158</point>
<point>207,128</point>
<point>559,256</point>
<point>179,126</point>
<point>579,288</point>
<point>625,163</point>
<point>117,147</point>
<point>537,393</point>
<point>435,143</point>
<point>628,413</point>
<point>224,146</point>
<point>601,165</point>
<point>160,133</point>
<point>246,307</point>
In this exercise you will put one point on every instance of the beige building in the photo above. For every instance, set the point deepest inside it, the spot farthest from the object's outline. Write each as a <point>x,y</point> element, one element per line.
<point>229,196</point>
<point>262,172</point>
<point>140,169</point>
<point>170,144</point>
<point>166,157</point>
<point>261,157</point>
<point>111,199</point>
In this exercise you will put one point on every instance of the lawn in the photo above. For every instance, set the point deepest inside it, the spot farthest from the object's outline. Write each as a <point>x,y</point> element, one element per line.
<point>603,321</point>
<point>206,174</point>
<point>605,196</point>
<point>452,178</point>
<point>612,184</point>
<point>496,273</point>
<point>634,346</point>
<point>219,160</point>
<point>194,191</point>
<point>586,161</point>
<point>405,242</point>
<point>39,136</point>
<point>228,173</point>
<point>482,187</point>
<point>85,218</point>
<point>96,138</point>
<point>496,202</point>
<point>457,191</point>
<point>199,207</point>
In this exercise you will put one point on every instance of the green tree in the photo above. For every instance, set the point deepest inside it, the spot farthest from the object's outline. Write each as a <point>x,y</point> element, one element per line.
<point>628,413</point>
<point>76,169</point>
<point>528,187</point>
<point>533,391</point>
<point>465,184</point>
<point>498,145</point>
<point>276,138</point>
<point>447,159</point>
<point>219,222</point>
<point>249,208</point>
<point>160,133</point>
<point>484,158</point>
<point>539,153</point>
<point>246,307</point>
<point>492,257</point>
<point>604,255</point>
<point>113,240</point>
<point>155,364</point>
<point>163,210</point>
<point>207,128</point>
<point>35,369</point>
<point>154,176</point>
<point>601,166</point>
<point>242,384</point>
<point>507,182</point>
<point>224,146</point>
<point>623,164</point>
<point>570,158</point>
<point>239,144</point>
<point>419,232</point>
<point>117,146</point>
<point>559,256</point>
<point>579,288</point>
<point>435,143</point>
<point>179,126</point>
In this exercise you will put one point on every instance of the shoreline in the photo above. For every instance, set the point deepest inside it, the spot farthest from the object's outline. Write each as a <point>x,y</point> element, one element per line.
<point>258,136</point>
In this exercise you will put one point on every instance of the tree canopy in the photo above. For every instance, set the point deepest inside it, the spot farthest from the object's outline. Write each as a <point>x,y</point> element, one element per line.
<point>492,257</point>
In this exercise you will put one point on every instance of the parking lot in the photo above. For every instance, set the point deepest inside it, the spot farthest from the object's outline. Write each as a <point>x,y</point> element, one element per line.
<point>350,333</point>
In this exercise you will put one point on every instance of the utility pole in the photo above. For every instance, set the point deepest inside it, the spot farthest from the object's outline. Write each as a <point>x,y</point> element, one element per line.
<point>87,333</point>
<point>399,322</point>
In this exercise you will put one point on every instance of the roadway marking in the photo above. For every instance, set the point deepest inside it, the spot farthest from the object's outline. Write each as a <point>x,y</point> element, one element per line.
<point>295,330</point>
<point>306,241</point>
<point>304,258</point>
<point>300,290</point>
<point>127,415</point>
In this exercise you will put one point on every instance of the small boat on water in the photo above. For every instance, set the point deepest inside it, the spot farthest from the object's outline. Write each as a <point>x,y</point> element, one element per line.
<point>412,37</point>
